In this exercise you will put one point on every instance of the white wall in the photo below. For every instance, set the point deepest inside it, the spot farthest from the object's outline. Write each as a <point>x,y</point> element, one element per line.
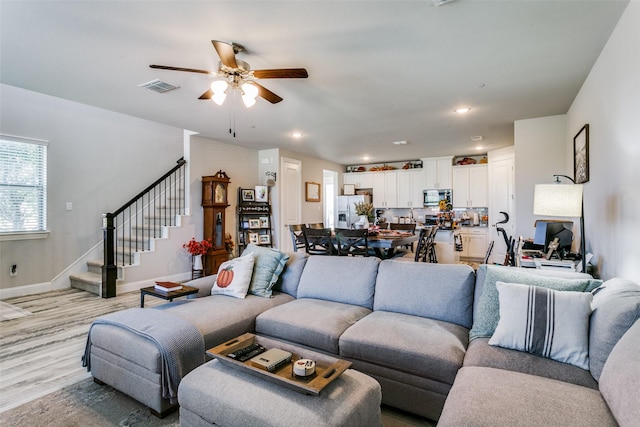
<point>609,101</point>
<point>539,146</point>
<point>97,159</point>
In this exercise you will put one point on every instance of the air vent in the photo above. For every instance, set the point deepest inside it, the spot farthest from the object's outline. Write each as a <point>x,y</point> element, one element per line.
<point>158,86</point>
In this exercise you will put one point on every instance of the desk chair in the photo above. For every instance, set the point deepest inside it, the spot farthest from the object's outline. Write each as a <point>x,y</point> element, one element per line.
<point>318,241</point>
<point>297,237</point>
<point>353,242</point>
<point>404,227</point>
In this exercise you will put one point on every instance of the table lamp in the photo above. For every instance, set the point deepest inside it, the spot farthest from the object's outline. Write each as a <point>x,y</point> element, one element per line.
<point>565,200</point>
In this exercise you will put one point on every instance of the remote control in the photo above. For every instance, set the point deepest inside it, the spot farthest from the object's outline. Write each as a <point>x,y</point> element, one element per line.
<point>246,353</point>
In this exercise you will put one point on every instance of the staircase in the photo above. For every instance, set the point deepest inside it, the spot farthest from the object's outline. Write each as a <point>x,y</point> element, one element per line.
<point>149,228</point>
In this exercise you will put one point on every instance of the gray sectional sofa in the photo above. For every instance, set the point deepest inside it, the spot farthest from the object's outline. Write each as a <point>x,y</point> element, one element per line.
<point>408,325</point>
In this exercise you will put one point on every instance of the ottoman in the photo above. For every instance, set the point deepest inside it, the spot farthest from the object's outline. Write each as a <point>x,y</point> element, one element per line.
<point>215,394</point>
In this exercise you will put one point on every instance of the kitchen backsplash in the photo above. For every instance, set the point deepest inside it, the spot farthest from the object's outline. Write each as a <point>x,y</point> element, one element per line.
<point>464,217</point>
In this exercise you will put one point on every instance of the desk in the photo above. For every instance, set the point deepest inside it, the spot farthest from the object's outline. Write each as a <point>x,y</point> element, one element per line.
<point>385,244</point>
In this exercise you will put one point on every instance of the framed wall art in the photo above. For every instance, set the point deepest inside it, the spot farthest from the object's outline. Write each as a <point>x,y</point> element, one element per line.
<point>264,222</point>
<point>254,223</point>
<point>261,193</point>
<point>264,239</point>
<point>253,238</point>
<point>248,195</point>
<point>349,189</point>
<point>581,155</point>
<point>312,192</point>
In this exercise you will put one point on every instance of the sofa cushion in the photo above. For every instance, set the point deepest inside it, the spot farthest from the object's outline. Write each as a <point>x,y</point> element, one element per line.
<point>220,318</point>
<point>267,267</point>
<point>486,314</point>
<point>416,345</point>
<point>350,280</point>
<point>234,277</point>
<point>620,379</point>
<point>480,353</point>
<point>437,291</point>
<point>616,306</point>
<point>290,276</point>
<point>312,322</point>
<point>544,322</point>
<point>496,397</point>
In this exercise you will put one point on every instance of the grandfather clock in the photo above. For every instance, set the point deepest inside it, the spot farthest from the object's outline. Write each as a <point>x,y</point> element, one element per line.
<point>214,203</point>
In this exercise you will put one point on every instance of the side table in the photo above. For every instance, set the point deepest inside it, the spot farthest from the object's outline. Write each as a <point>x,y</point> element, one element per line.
<point>151,290</point>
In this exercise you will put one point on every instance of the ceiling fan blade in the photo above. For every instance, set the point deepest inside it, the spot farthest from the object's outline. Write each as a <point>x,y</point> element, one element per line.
<point>191,70</point>
<point>207,95</point>
<point>226,53</point>
<point>267,94</point>
<point>281,73</point>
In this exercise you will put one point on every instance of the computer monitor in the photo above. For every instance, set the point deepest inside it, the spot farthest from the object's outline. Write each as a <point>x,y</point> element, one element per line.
<point>546,231</point>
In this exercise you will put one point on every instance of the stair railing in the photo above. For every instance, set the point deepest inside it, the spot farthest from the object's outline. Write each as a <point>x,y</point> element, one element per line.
<point>129,229</point>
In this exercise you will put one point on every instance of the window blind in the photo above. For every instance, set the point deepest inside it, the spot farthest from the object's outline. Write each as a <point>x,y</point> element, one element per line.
<point>23,185</point>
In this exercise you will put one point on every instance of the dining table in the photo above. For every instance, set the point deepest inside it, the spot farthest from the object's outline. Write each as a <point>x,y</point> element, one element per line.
<point>385,243</point>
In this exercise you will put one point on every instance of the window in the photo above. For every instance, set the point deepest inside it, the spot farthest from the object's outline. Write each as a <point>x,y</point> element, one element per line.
<point>23,185</point>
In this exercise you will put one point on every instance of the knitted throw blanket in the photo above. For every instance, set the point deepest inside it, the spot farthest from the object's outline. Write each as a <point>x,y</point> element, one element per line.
<point>180,343</point>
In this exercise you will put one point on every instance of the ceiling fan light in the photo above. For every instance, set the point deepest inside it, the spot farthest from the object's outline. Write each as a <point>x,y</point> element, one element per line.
<point>219,97</point>
<point>250,90</point>
<point>248,101</point>
<point>219,86</point>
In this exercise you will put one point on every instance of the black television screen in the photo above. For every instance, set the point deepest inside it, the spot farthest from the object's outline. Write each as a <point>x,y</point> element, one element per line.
<point>546,231</point>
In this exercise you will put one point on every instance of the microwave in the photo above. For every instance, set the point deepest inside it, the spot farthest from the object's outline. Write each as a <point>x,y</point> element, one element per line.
<point>432,198</point>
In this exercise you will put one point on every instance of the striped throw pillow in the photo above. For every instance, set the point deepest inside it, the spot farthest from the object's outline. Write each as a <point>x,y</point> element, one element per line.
<point>544,322</point>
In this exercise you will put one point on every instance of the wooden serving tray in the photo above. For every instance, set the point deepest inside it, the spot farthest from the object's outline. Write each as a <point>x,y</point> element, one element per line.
<point>327,368</point>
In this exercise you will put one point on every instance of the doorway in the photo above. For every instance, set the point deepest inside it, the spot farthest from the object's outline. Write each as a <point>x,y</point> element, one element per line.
<point>330,191</point>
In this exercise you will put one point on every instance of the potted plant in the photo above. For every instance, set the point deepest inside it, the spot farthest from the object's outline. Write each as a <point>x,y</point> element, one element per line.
<point>197,249</point>
<point>365,211</point>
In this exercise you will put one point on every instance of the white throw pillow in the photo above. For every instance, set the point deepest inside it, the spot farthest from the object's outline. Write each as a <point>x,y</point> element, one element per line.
<point>234,277</point>
<point>544,322</point>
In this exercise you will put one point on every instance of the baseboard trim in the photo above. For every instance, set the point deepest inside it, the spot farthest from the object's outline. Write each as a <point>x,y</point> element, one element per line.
<point>36,288</point>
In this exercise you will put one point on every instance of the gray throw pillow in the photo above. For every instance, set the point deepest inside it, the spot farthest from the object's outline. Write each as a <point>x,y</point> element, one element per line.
<point>269,263</point>
<point>616,306</point>
<point>487,315</point>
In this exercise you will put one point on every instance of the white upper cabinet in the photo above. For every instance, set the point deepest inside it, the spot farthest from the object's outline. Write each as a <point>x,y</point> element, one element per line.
<point>437,172</point>
<point>411,185</point>
<point>385,189</point>
<point>359,179</point>
<point>470,186</point>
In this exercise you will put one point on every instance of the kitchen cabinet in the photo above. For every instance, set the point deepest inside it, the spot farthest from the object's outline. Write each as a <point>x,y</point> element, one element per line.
<point>474,242</point>
<point>385,187</point>
<point>359,179</point>
<point>470,186</point>
<point>437,172</point>
<point>410,187</point>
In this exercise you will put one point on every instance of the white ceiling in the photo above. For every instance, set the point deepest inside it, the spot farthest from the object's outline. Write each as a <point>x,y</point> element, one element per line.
<point>379,71</point>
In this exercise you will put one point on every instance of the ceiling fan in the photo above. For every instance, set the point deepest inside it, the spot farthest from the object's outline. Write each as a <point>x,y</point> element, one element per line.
<point>237,74</point>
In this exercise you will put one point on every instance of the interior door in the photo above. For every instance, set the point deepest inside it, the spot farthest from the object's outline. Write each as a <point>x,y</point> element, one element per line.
<point>501,193</point>
<point>290,200</point>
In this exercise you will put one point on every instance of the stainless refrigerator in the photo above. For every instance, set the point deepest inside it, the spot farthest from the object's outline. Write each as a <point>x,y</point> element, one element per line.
<point>346,209</point>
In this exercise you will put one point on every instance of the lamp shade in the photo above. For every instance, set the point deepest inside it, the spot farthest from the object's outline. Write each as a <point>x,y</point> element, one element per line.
<point>249,93</point>
<point>558,200</point>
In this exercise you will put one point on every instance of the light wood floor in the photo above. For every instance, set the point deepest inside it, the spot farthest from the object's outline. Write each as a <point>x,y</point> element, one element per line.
<point>41,353</point>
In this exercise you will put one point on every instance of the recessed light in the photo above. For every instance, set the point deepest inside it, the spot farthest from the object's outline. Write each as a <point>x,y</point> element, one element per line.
<point>365,158</point>
<point>479,147</point>
<point>296,134</point>
<point>400,142</point>
<point>476,138</point>
<point>462,110</point>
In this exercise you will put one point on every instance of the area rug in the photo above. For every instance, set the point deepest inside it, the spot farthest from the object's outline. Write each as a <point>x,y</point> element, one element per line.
<point>10,312</point>
<point>85,404</point>
<point>89,404</point>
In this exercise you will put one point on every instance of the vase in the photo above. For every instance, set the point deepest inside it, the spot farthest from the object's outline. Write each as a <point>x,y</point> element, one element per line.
<point>197,262</point>
<point>364,220</point>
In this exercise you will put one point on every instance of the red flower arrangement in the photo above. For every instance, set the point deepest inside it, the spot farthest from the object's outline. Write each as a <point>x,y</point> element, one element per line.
<point>197,248</point>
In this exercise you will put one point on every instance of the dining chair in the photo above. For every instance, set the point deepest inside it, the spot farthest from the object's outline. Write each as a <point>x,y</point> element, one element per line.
<point>316,225</point>
<point>318,241</point>
<point>352,242</point>
<point>404,227</point>
<point>431,245</point>
<point>297,237</point>
<point>421,247</point>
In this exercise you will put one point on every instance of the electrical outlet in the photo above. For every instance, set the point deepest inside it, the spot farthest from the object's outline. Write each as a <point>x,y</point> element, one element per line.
<point>13,270</point>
